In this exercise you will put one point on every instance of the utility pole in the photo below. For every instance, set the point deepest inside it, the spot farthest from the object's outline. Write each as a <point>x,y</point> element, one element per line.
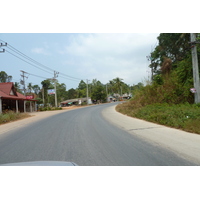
<point>43,94</point>
<point>55,81</point>
<point>87,90</point>
<point>195,67</point>
<point>106,93</point>
<point>149,58</point>
<point>3,45</point>
<point>23,81</point>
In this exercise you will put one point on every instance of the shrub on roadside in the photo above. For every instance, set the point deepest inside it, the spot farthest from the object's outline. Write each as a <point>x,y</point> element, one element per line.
<point>49,108</point>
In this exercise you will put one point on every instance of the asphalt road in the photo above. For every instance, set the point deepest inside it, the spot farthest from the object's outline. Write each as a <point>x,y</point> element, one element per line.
<point>85,137</point>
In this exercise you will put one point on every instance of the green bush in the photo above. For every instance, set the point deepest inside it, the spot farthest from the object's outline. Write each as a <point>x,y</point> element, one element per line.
<point>49,108</point>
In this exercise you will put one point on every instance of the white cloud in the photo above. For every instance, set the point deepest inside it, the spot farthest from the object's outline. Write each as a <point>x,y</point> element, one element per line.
<point>107,56</point>
<point>40,50</point>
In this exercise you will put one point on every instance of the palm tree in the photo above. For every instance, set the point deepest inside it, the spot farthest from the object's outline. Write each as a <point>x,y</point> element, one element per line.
<point>36,89</point>
<point>29,87</point>
<point>111,87</point>
<point>17,86</point>
<point>118,84</point>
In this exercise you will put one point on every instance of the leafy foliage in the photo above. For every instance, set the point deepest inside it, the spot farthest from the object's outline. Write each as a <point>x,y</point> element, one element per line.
<point>173,47</point>
<point>168,100</point>
<point>4,77</point>
<point>99,93</point>
<point>173,77</point>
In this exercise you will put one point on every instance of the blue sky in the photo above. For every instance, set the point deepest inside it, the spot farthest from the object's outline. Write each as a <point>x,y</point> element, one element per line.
<point>89,56</point>
<point>80,55</point>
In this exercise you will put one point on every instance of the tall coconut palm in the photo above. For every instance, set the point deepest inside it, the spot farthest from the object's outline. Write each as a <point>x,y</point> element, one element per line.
<point>36,89</point>
<point>29,87</point>
<point>17,86</point>
<point>111,87</point>
<point>118,84</point>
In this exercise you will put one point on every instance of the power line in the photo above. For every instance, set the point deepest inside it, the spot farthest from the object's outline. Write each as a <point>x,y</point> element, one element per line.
<point>38,76</point>
<point>34,61</point>
<point>70,76</point>
<point>27,62</point>
<point>48,78</point>
<point>69,79</point>
<point>28,58</point>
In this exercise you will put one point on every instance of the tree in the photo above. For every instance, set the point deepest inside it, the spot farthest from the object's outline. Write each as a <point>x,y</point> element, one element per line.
<point>29,88</point>
<point>72,93</point>
<point>172,66</point>
<point>81,90</point>
<point>110,86</point>
<point>17,86</point>
<point>99,93</point>
<point>82,85</point>
<point>4,77</point>
<point>173,47</point>
<point>118,84</point>
<point>36,89</point>
<point>61,92</point>
<point>93,85</point>
<point>46,84</point>
<point>136,87</point>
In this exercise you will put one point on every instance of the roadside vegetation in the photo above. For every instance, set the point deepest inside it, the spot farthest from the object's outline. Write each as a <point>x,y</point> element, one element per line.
<point>96,90</point>
<point>180,116</point>
<point>49,108</point>
<point>167,99</point>
<point>12,116</point>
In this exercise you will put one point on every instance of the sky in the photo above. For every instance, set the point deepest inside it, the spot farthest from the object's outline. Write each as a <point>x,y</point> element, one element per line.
<point>77,56</point>
<point>87,40</point>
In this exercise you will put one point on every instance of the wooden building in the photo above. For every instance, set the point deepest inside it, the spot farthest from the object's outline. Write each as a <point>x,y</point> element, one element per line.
<point>10,99</point>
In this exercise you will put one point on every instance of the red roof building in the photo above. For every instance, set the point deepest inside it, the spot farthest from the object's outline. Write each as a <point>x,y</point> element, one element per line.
<point>10,99</point>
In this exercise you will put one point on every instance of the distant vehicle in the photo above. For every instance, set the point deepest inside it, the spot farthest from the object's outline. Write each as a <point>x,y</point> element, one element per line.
<point>41,163</point>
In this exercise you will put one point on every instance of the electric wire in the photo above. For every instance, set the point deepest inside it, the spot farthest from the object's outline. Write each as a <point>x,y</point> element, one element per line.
<point>69,79</point>
<point>28,62</point>
<point>37,76</point>
<point>28,58</point>
<point>34,61</point>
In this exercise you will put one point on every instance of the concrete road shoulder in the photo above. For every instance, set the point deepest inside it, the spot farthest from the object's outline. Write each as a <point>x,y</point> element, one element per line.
<point>185,144</point>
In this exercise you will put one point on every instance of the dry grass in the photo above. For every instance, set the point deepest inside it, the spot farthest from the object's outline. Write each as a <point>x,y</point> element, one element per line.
<point>12,116</point>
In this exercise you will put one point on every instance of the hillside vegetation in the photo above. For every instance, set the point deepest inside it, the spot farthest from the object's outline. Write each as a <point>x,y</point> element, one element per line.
<point>167,99</point>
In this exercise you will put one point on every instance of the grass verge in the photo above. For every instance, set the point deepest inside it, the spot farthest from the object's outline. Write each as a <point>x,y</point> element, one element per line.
<point>182,116</point>
<point>12,116</point>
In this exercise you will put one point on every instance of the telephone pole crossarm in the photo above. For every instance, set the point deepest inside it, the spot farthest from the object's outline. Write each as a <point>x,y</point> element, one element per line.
<point>2,51</point>
<point>2,45</point>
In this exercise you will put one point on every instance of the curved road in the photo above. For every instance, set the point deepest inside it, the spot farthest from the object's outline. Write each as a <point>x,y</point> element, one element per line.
<point>85,137</point>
